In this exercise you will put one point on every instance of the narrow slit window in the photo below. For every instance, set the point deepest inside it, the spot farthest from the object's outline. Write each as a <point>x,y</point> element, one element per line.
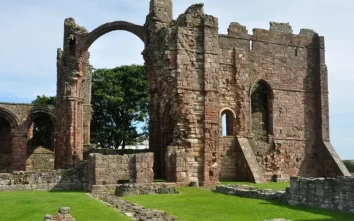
<point>251,45</point>
<point>296,50</point>
<point>72,45</point>
<point>227,123</point>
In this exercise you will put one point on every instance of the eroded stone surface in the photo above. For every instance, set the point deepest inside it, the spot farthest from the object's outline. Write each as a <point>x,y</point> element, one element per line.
<point>70,179</point>
<point>133,210</point>
<point>107,170</point>
<point>194,74</point>
<point>146,189</point>
<point>62,215</point>
<point>252,192</point>
<point>328,193</point>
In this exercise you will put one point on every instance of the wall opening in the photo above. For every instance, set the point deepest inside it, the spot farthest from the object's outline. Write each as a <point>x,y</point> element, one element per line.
<point>228,154</point>
<point>227,121</point>
<point>261,109</point>
<point>251,45</point>
<point>72,45</point>
<point>5,146</point>
<point>296,51</point>
<point>40,145</point>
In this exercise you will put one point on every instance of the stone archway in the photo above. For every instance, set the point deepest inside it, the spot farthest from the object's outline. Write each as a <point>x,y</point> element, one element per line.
<point>42,124</point>
<point>262,97</point>
<point>74,84</point>
<point>9,141</point>
<point>5,145</point>
<point>137,30</point>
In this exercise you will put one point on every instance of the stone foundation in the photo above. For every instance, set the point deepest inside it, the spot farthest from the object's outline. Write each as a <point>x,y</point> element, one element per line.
<point>327,193</point>
<point>40,159</point>
<point>71,179</point>
<point>252,192</point>
<point>146,189</point>
<point>112,152</point>
<point>133,210</point>
<point>108,170</point>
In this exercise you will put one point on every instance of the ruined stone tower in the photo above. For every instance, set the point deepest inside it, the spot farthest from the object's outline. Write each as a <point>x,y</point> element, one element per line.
<point>269,87</point>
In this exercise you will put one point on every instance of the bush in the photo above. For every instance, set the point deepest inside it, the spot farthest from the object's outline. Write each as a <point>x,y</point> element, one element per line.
<point>349,164</point>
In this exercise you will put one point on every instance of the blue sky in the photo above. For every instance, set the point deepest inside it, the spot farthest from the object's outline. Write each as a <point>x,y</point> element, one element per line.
<point>31,32</point>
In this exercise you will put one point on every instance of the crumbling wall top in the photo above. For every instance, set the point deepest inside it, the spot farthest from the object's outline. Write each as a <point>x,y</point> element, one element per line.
<point>237,30</point>
<point>280,27</point>
<point>308,32</point>
<point>71,24</point>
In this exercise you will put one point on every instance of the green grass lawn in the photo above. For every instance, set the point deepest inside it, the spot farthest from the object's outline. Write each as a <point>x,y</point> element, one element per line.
<point>197,204</point>
<point>32,206</point>
<point>269,185</point>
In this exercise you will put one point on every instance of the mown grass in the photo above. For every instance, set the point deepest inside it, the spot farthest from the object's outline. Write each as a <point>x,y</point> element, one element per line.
<point>269,185</point>
<point>32,206</point>
<point>197,204</point>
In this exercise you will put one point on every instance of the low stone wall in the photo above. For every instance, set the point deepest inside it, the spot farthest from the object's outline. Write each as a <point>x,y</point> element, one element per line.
<point>118,169</point>
<point>40,159</point>
<point>112,152</point>
<point>116,152</point>
<point>71,179</point>
<point>146,189</point>
<point>62,215</point>
<point>328,193</point>
<point>252,192</point>
<point>133,210</point>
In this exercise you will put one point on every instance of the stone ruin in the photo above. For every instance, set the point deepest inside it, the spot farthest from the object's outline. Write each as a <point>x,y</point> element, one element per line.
<point>271,87</point>
<point>325,193</point>
<point>62,215</point>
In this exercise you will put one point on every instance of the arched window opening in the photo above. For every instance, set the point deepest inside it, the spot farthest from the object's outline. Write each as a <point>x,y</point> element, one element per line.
<point>72,45</point>
<point>5,146</point>
<point>227,118</point>
<point>261,109</point>
<point>40,145</point>
<point>42,132</point>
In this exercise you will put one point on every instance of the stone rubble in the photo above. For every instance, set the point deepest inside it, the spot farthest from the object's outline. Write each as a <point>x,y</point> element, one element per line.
<point>62,215</point>
<point>136,211</point>
<point>252,192</point>
<point>145,189</point>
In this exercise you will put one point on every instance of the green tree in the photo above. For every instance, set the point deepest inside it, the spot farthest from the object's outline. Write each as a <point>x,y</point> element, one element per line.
<point>119,102</point>
<point>45,100</point>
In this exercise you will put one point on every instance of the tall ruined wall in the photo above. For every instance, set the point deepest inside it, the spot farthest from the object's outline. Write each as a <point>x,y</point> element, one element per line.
<point>196,132</point>
<point>194,74</point>
<point>285,132</point>
<point>160,64</point>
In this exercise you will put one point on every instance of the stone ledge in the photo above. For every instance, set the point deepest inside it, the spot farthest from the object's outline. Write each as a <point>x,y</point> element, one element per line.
<point>252,192</point>
<point>146,189</point>
<point>103,188</point>
<point>133,210</point>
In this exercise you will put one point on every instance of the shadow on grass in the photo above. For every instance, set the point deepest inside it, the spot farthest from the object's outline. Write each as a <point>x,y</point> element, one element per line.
<point>66,191</point>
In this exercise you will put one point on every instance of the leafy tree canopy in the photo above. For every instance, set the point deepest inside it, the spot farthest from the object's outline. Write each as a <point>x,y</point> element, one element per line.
<point>119,102</point>
<point>45,100</point>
